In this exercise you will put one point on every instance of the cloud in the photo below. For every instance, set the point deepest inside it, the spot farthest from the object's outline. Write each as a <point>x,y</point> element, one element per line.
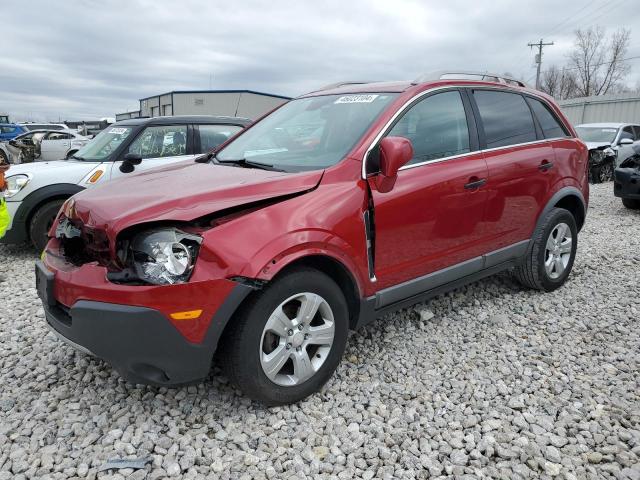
<point>90,59</point>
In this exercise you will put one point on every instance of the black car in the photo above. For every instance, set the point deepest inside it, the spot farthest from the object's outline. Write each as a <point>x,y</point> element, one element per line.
<point>626,182</point>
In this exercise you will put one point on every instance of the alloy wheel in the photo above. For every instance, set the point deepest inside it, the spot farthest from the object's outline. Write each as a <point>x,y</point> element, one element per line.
<point>558,250</point>
<point>297,339</point>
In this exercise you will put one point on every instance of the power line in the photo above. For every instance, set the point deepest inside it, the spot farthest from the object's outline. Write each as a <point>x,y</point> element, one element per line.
<point>603,63</point>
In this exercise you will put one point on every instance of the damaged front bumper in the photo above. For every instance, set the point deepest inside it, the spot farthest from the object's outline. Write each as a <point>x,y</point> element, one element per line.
<point>131,327</point>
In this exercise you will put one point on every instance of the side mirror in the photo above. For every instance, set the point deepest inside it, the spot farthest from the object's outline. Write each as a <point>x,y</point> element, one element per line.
<point>395,152</point>
<point>625,141</point>
<point>130,160</point>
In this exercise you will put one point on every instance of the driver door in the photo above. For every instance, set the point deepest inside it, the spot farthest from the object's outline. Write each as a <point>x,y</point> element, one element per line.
<point>158,145</point>
<point>54,146</point>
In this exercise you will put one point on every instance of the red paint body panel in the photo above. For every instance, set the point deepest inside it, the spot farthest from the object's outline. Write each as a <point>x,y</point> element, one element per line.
<point>428,222</point>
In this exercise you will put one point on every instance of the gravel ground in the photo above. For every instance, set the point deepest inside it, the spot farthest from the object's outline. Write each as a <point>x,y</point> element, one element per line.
<point>491,381</point>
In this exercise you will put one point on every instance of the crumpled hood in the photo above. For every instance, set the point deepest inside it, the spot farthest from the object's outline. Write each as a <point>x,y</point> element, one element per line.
<point>594,145</point>
<point>182,192</point>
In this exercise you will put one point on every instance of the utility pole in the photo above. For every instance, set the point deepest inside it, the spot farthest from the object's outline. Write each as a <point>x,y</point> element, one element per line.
<point>539,58</point>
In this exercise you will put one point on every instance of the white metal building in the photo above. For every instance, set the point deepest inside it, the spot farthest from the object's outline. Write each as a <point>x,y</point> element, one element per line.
<point>232,103</point>
<point>624,108</point>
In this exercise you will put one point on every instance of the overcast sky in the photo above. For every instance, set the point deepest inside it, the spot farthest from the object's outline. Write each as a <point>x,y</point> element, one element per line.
<point>88,59</point>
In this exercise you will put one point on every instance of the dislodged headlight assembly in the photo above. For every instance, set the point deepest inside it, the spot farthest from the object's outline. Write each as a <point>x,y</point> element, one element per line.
<point>15,183</point>
<point>164,256</point>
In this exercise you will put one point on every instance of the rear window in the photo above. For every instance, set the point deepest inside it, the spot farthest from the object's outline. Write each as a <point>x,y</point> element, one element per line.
<point>551,128</point>
<point>506,118</point>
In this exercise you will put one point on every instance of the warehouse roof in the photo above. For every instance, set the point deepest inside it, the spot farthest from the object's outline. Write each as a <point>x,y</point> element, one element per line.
<point>217,91</point>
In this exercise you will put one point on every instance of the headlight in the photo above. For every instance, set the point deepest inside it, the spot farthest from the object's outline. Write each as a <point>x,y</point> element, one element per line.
<point>165,256</point>
<point>15,183</point>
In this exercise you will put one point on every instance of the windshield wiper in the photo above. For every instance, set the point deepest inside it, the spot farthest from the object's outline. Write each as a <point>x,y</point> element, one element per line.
<point>77,157</point>
<point>243,162</point>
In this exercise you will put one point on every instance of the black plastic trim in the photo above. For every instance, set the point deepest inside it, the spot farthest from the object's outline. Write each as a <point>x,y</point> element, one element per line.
<point>141,343</point>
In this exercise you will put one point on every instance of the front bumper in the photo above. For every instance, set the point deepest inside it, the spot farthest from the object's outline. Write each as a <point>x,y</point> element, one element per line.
<point>139,340</point>
<point>626,183</point>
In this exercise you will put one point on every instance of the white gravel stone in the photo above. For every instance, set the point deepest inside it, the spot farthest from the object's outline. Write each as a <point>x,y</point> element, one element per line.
<point>489,381</point>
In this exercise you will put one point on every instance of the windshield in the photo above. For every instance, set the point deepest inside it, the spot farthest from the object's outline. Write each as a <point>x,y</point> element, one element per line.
<point>308,133</point>
<point>104,144</point>
<point>597,134</point>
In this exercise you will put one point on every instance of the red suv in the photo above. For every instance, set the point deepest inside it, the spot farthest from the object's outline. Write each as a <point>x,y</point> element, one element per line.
<point>334,209</point>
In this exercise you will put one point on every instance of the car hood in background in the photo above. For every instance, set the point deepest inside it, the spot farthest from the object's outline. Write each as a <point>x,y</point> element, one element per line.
<point>593,145</point>
<point>182,192</point>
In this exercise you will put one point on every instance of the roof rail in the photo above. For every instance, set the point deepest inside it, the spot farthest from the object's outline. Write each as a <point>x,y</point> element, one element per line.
<point>468,75</point>
<point>342,84</point>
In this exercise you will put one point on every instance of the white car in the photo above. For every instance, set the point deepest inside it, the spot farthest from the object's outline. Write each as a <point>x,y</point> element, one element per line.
<point>609,145</point>
<point>44,126</point>
<point>37,190</point>
<point>44,145</point>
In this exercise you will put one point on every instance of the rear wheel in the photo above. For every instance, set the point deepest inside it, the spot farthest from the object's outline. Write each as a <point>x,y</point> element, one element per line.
<point>631,203</point>
<point>550,258</point>
<point>41,223</point>
<point>288,339</point>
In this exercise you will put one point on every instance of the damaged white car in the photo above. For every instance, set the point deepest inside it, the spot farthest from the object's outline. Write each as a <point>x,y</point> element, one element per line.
<point>609,145</point>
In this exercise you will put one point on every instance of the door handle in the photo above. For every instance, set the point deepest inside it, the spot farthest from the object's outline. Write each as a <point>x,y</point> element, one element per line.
<point>475,183</point>
<point>545,165</point>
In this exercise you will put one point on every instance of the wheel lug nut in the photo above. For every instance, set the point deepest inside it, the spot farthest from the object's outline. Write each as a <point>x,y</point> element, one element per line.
<point>298,349</point>
<point>300,327</point>
<point>288,346</point>
<point>290,332</point>
<point>306,336</point>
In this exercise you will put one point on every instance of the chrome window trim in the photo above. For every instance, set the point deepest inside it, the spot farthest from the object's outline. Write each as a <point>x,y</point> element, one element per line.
<point>404,108</point>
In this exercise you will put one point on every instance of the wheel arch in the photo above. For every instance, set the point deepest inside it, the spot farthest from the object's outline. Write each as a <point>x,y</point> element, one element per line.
<point>571,199</point>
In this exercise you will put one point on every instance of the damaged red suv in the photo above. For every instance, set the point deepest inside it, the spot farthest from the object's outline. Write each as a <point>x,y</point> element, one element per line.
<point>339,206</point>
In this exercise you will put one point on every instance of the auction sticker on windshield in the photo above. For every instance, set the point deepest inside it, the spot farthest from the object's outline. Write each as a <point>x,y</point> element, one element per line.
<point>117,131</point>
<point>357,99</point>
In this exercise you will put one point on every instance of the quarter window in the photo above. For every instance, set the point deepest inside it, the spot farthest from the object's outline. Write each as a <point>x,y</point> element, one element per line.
<point>161,141</point>
<point>506,118</point>
<point>213,135</point>
<point>436,127</point>
<point>551,128</point>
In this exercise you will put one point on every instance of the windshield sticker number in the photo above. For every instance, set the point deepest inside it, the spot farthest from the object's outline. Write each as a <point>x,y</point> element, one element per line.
<point>609,130</point>
<point>357,99</point>
<point>117,131</point>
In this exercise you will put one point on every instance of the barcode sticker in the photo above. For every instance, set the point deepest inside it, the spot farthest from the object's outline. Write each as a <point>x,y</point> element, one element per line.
<point>357,99</point>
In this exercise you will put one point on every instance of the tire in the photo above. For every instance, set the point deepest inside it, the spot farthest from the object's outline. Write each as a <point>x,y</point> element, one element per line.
<point>605,172</point>
<point>631,203</point>
<point>533,272</point>
<point>41,223</point>
<point>245,347</point>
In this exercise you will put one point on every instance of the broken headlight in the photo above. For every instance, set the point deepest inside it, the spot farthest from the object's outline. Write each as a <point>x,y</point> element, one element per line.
<point>165,256</point>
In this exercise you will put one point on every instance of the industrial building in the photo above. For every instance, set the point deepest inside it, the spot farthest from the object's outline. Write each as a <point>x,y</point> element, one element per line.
<point>623,108</point>
<point>233,103</point>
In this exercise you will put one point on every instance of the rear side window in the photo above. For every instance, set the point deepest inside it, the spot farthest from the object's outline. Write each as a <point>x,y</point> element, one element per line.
<point>506,118</point>
<point>436,126</point>
<point>551,128</point>
<point>213,135</point>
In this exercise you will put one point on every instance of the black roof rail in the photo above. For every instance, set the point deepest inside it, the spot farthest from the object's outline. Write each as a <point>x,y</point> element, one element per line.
<point>468,75</point>
<point>342,84</point>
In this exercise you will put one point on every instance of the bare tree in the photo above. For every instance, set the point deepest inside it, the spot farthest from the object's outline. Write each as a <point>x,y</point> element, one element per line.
<point>559,83</point>
<point>597,63</point>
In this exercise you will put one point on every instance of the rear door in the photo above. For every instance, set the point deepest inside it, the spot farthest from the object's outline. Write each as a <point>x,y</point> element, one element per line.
<point>431,218</point>
<point>54,145</point>
<point>159,145</point>
<point>521,166</point>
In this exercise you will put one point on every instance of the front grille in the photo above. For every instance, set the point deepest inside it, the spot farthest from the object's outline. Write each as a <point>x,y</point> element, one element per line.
<point>82,244</point>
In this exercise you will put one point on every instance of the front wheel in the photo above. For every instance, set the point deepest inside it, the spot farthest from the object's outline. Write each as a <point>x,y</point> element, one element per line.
<point>41,223</point>
<point>288,339</point>
<point>550,257</point>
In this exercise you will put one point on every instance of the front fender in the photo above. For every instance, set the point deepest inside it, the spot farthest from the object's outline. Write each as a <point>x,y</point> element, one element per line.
<point>288,248</point>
